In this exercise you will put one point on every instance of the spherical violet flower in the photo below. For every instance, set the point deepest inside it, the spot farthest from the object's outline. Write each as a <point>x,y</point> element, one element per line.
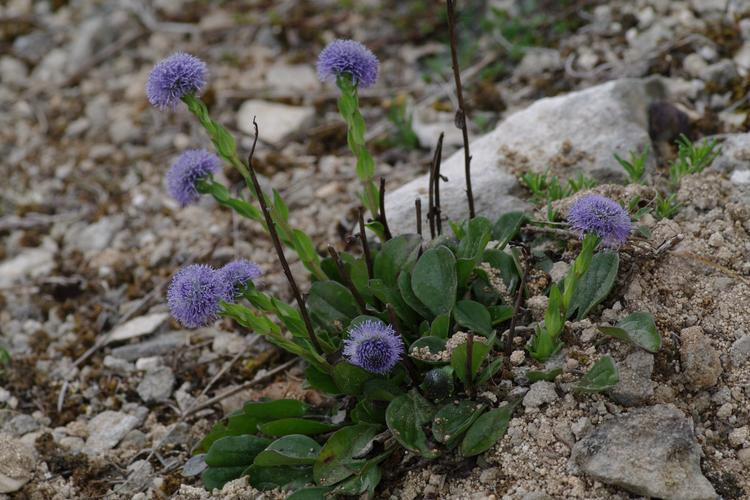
<point>373,346</point>
<point>348,57</point>
<point>184,174</point>
<point>601,216</point>
<point>237,273</point>
<point>173,78</point>
<point>195,294</point>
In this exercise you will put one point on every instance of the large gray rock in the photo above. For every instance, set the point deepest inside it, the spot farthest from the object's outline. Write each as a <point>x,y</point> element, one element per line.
<point>577,132</point>
<point>650,451</point>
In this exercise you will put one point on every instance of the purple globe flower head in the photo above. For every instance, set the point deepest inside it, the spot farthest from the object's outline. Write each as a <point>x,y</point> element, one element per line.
<point>237,273</point>
<point>373,346</point>
<point>348,57</point>
<point>601,216</point>
<point>192,166</point>
<point>173,78</point>
<point>195,294</point>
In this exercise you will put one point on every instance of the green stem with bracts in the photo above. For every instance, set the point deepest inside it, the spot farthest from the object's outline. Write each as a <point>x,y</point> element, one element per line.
<point>546,341</point>
<point>226,147</point>
<point>348,104</point>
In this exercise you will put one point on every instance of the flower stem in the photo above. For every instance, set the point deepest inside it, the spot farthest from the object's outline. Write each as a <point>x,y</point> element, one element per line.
<point>348,104</point>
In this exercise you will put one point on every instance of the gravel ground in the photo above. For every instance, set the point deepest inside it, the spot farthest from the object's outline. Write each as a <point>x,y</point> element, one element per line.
<point>101,394</point>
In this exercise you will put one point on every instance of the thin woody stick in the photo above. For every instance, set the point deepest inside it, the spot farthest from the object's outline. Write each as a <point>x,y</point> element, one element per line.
<point>279,248</point>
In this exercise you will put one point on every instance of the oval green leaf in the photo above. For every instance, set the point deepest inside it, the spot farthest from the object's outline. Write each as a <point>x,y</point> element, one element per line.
<point>434,280</point>
<point>637,328</point>
<point>289,450</point>
<point>474,316</point>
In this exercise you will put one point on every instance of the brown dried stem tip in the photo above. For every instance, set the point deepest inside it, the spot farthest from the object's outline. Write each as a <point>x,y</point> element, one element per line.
<point>277,245</point>
<point>433,210</point>
<point>461,116</point>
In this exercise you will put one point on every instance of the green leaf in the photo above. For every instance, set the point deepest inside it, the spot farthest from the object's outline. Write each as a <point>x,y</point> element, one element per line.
<point>330,303</point>
<point>500,314</point>
<point>368,411</point>
<point>492,368</point>
<point>289,450</point>
<point>549,376</point>
<point>287,426</point>
<point>340,456</point>
<point>405,417</point>
<point>441,326</point>
<point>272,410</point>
<point>232,451</point>
<point>214,478</point>
<point>236,424</point>
<point>602,376</point>
<point>228,457</point>
<point>381,390</point>
<point>487,430</point>
<point>474,316</point>
<point>507,226</point>
<point>479,353</point>
<point>404,286</point>
<point>471,246</point>
<point>304,246</point>
<point>595,284</point>
<point>278,204</point>
<point>637,328</point>
<point>434,280</point>
<point>397,254</point>
<point>478,234</point>
<point>435,345</point>
<point>553,316</point>
<point>349,378</point>
<point>367,480</point>
<point>321,381</point>
<point>284,477</point>
<point>452,420</point>
<point>390,295</point>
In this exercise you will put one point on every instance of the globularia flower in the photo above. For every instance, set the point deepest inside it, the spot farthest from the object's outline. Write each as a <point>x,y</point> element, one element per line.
<point>187,170</point>
<point>237,273</point>
<point>373,346</point>
<point>348,57</point>
<point>195,294</point>
<point>173,78</point>
<point>601,216</point>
